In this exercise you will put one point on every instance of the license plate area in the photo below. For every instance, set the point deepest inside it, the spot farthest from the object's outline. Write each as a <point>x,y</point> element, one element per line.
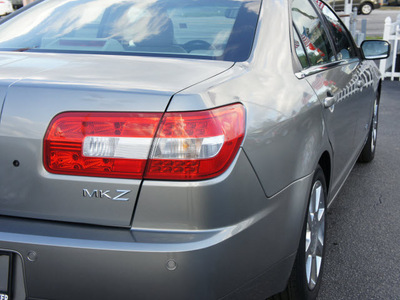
<point>5,275</point>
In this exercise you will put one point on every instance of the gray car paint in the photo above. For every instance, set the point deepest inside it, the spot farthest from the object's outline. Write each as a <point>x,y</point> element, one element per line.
<point>354,86</point>
<point>113,263</point>
<point>228,235</point>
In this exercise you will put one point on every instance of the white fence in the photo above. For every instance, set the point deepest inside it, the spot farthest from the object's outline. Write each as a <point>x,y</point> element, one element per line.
<point>391,33</point>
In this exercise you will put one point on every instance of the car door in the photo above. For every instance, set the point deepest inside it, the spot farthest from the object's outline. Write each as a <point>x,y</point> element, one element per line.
<point>331,69</point>
<point>361,85</point>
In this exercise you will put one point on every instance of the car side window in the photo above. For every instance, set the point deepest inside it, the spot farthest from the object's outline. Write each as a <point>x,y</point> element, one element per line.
<point>312,33</point>
<point>344,46</point>
<point>301,54</point>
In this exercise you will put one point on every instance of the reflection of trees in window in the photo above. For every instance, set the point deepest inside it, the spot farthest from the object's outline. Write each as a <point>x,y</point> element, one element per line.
<point>301,54</point>
<point>312,32</point>
<point>304,14</point>
<point>341,39</point>
<point>315,45</point>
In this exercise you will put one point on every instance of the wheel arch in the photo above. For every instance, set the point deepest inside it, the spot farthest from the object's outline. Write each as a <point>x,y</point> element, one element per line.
<point>378,91</point>
<point>366,2</point>
<point>325,163</point>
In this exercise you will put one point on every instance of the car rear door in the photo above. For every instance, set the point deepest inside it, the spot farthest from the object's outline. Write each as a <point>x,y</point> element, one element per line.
<point>331,67</point>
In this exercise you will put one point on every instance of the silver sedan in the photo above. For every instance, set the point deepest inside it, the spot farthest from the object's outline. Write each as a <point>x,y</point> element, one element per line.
<point>176,149</point>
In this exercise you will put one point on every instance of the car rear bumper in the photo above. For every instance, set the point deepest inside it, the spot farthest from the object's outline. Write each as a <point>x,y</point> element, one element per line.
<point>66,261</point>
<point>64,268</point>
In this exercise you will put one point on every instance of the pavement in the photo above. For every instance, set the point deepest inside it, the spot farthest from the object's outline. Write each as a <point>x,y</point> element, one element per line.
<point>363,239</point>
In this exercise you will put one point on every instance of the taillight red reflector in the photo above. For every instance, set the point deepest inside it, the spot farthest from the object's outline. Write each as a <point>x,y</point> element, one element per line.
<point>196,145</point>
<point>100,144</point>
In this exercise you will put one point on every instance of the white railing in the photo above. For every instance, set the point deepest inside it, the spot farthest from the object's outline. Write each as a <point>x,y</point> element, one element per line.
<point>391,33</point>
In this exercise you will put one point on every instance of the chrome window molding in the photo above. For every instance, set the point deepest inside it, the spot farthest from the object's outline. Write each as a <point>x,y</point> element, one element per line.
<point>316,69</point>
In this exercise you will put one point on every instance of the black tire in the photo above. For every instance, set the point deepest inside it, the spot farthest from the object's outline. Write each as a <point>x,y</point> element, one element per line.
<point>299,287</point>
<point>366,8</point>
<point>368,152</point>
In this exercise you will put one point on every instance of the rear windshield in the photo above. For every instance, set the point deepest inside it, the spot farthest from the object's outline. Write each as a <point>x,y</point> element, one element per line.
<point>208,29</point>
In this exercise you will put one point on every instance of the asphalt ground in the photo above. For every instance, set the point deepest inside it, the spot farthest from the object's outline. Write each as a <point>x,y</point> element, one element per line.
<point>363,232</point>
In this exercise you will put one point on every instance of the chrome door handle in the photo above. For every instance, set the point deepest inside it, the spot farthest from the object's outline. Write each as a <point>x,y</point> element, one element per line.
<point>329,101</point>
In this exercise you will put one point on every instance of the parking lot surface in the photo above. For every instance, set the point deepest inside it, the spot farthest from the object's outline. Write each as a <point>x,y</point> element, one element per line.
<point>363,244</point>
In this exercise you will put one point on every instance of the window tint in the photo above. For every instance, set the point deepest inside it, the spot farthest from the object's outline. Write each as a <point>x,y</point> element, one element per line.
<point>210,29</point>
<point>342,42</point>
<point>312,33</point>
<point>301,54</point>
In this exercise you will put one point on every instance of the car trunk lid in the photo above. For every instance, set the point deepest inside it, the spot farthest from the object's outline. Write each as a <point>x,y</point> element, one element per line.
<point>36,87</point>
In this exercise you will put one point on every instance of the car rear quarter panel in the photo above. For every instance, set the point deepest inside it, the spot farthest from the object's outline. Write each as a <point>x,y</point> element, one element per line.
<point>284,140</point>
<point>285,131</point>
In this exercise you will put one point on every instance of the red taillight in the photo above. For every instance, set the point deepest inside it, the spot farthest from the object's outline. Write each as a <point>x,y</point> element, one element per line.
<point>196,145</point>
<point>187,146</point>
<point>100,144</point>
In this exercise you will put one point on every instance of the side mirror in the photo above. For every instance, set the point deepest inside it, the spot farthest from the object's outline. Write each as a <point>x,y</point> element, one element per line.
<point>375,49</point>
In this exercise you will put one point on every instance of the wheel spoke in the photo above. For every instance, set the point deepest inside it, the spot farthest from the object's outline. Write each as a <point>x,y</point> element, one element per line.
<point>311,208</point>
<point>321,214</point>
<point>308,238</point>
<point>318,192</point>
<point>314,276</point>
<point>318,262</point>
<point>308,268</point>
<point>310,217</point>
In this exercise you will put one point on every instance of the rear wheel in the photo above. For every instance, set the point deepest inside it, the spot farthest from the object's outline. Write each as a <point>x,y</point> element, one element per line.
<point>305,280</point>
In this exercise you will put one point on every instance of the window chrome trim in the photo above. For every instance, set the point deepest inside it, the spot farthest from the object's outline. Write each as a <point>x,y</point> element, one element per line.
<point>316,69</point>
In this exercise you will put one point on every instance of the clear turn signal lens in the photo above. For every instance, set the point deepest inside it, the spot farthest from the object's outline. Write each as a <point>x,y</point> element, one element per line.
<point>187,148</point>
<point>116,147</point>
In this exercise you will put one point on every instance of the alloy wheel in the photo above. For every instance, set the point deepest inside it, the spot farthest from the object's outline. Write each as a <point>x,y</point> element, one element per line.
<point>315,234</point>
